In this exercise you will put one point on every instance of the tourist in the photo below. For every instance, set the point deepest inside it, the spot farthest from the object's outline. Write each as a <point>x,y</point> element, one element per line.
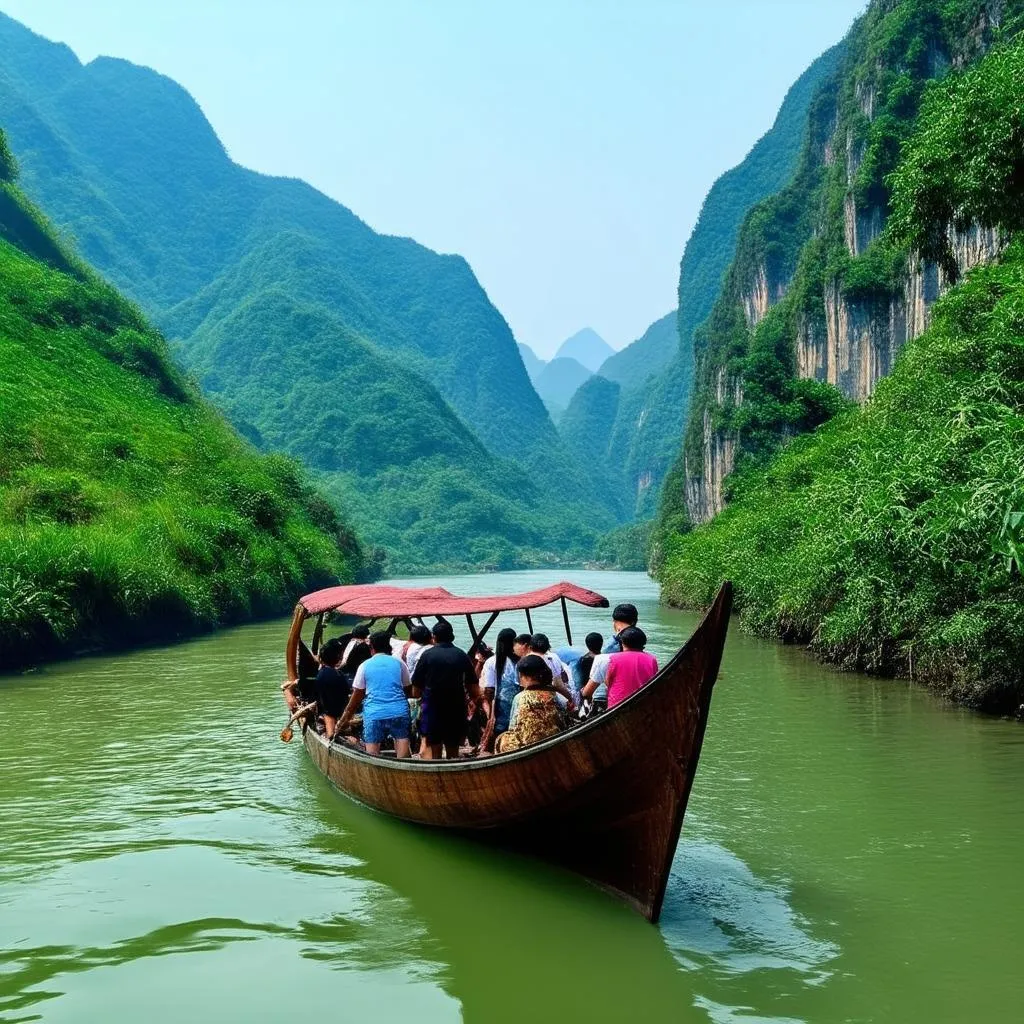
<point>445,681</point>
<point>623,616</point>
<point>522,646</point>
<point>582,666</point>
<point>419,641</point>
<point>332,688</point>
<point>500,681</point>
<point>357,652</point>
<point>626,671</point>
<point>479,709</point>
<point>541,645</point>
<point>478,654</point>
<point>381,689</point>
<point>536,711</point>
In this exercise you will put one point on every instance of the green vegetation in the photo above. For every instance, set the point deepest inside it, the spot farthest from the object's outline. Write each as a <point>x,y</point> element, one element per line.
<point>767,167</point>
<point>966,165</point>
<point>634,365</point>
<point>890,538</point>
<point>797,240</point>
<point>409,475</point>
<point>129,510</point>
<point>626,547</point>
<point>380,364</point>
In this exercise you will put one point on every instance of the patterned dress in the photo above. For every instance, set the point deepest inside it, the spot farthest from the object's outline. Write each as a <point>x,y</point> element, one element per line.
<point>536,715</point>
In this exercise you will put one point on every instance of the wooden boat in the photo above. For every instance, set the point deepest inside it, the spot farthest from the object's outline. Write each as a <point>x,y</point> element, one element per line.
<point>605,799</point>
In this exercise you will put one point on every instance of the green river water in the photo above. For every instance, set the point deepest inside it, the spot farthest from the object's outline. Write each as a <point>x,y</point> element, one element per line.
<point>852,852</point>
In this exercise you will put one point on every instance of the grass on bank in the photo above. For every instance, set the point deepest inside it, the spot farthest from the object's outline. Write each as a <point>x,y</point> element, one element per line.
<point>129,510</point>
<point>883,539</point>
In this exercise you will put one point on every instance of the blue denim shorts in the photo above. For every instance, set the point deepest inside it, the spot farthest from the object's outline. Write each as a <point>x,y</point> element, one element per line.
<point>375,729</point>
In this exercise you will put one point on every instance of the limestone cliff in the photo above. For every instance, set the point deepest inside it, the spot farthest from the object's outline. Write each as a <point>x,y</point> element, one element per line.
<point>862,337</point>
<point>819,301</point>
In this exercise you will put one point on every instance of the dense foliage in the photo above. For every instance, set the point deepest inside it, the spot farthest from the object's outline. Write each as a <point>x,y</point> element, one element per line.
<point>364,355</point>
<point>799,240</point>
<point>626,547</point>
<point>966,164</point>
<point>878,538</point>
<point>890,539</point>
<point>129,510</point>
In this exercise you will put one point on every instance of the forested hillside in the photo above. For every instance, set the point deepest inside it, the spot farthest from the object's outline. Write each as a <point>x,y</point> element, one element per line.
<point>656,371</point>
<point>315,334</point>
<point>129,510</point>
<point>557,381</point>
<point>645,357</point>
<point>889,538</point>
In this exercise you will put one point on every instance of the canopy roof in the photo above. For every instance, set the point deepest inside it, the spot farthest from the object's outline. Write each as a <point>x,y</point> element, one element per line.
<point>382,600</point>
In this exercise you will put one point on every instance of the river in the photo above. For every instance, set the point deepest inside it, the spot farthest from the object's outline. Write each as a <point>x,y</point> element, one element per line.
<point>852,852</point>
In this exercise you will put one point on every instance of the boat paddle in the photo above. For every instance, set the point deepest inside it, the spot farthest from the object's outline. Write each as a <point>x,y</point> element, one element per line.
<point>286,732</point>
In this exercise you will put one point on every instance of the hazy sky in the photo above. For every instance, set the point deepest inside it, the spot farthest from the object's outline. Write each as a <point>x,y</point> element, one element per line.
<point>564,147</point>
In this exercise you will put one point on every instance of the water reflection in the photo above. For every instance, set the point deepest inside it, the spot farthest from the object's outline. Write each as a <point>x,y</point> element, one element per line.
<point>519,940</point>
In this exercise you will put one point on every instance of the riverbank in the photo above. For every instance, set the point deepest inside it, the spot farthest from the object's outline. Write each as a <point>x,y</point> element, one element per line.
<point>130,511</point>
<point>883,540</point>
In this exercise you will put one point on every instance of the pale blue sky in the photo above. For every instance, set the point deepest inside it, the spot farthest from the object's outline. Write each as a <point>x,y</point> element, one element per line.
<point>563,147</point>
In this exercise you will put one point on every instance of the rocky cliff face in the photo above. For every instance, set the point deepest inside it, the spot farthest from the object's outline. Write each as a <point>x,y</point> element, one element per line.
<point>860,338</point>
<point>846,303</point>
<point>718,453</point>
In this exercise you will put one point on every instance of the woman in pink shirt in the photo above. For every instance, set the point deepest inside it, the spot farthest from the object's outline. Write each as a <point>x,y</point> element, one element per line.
<point>627,671</point>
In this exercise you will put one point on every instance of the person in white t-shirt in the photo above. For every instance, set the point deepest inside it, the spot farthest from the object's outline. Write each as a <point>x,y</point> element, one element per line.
<point>541,645</point>
<point>419,641</point>
<point>599,675</point>
<point>360,635</point>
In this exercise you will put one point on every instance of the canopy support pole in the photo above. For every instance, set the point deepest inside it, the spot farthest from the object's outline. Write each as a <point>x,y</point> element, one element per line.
<point>391,626</point>
<point>487,625</point>
<point>472,628</point>
<point>565,619</point>
<point>318,633</point>
<point>529,621</point>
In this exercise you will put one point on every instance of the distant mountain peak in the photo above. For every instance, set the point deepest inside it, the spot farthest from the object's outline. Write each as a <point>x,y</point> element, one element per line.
<point>533,362</point>
<point>586,347</point>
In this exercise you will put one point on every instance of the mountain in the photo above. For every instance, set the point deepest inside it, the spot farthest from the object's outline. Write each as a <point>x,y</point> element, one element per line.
<point>873,307</point>
<point>557,383</point>
<point>656,371</point>
<point>129,510</point>
<point>376,361</point>
<point>533,362</point>
<point>645,357</point>
<point>586,347</point>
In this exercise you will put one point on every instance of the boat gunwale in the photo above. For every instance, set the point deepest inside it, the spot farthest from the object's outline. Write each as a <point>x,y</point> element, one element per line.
<point>477,763</point>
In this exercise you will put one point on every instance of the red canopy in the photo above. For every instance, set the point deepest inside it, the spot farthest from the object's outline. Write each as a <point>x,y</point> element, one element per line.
<point>381,600</point>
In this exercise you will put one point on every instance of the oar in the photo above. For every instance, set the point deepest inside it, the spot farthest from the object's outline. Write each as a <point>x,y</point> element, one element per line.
<point>286,732</point>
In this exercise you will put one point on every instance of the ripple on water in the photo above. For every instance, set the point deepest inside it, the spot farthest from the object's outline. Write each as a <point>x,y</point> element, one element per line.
<point>851,853</point>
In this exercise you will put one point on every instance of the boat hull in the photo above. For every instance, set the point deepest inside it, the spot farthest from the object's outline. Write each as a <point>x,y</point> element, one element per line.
<point>605,799</point>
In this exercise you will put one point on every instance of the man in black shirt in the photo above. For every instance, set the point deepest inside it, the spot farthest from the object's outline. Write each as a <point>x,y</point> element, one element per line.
<point>444,677</point>
<point>332,687</point>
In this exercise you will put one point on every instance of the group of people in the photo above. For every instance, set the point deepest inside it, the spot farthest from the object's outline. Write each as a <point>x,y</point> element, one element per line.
<point>519,693</point>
